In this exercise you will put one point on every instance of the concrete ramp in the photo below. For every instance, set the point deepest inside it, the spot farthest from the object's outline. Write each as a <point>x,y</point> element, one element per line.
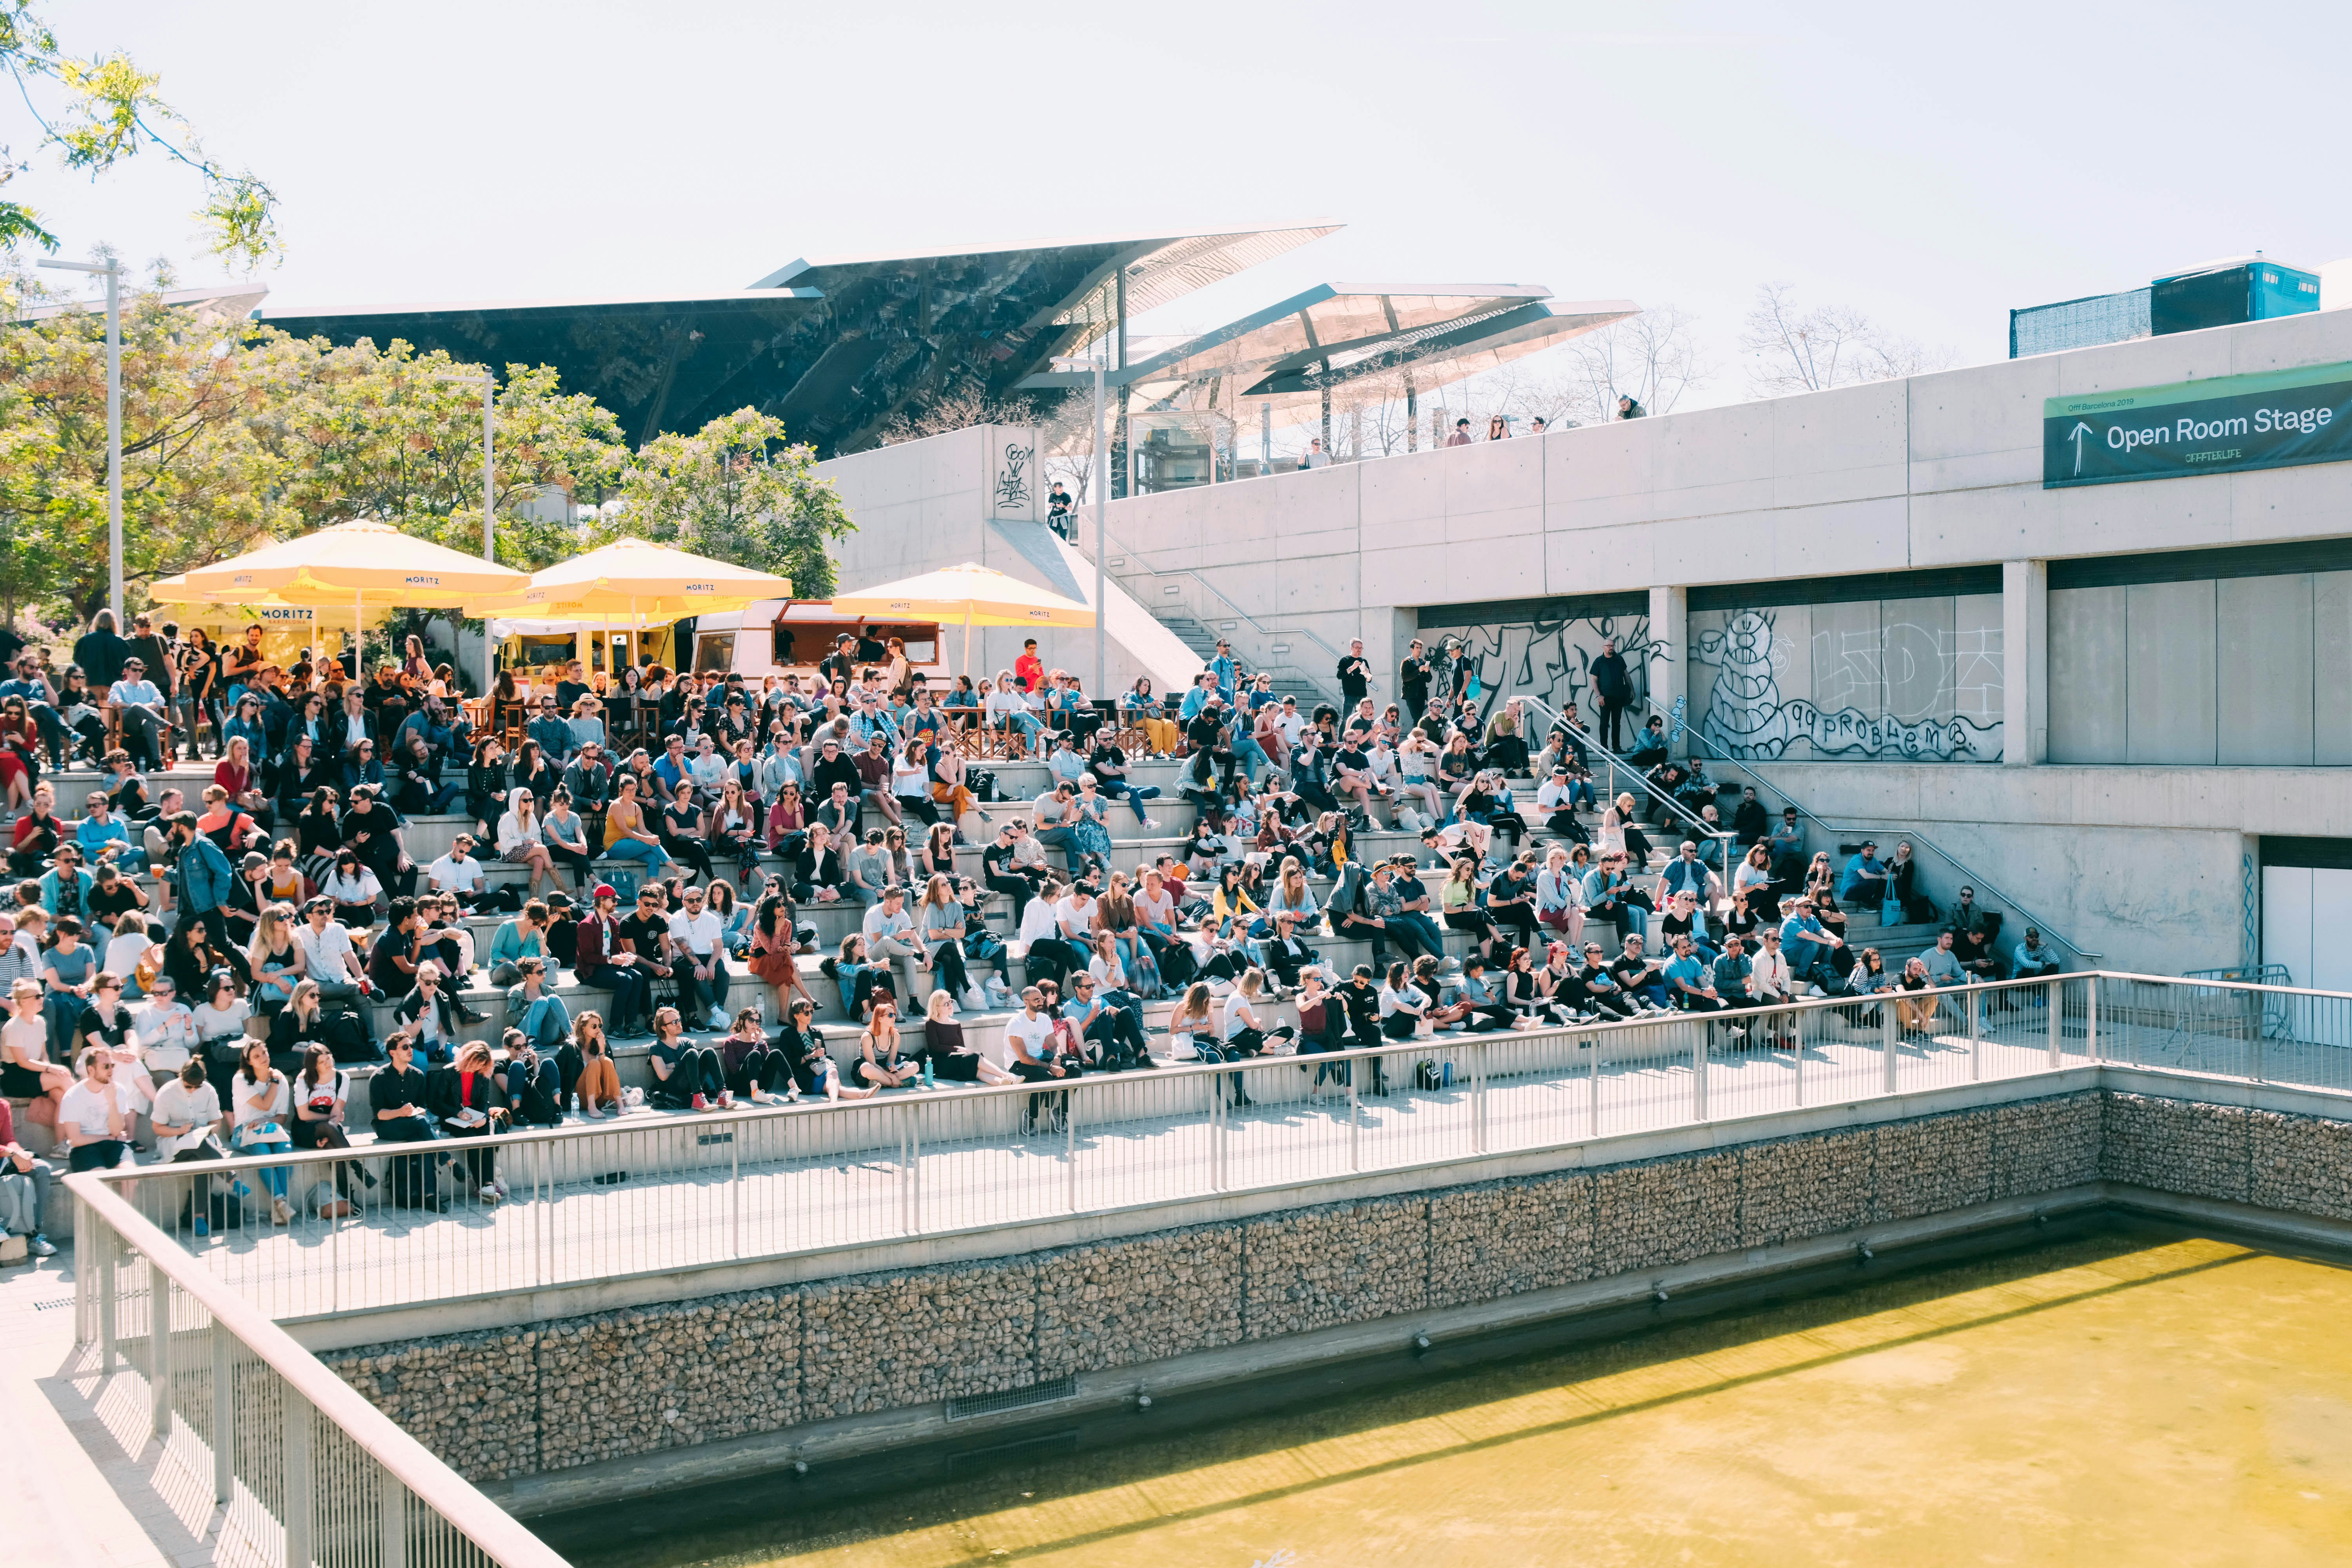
<point>1161,652</point>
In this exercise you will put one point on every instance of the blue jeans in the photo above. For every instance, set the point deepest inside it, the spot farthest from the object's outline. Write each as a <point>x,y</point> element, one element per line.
<point>1251,756</point>
<point>272,1177</point>
<point>655,856</point>
<point>1066,837</point>
<point>1117,789</point>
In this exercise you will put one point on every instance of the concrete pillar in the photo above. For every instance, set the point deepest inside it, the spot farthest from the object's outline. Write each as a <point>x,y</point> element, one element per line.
<point>2025,662</point>
<point>1669,622</point>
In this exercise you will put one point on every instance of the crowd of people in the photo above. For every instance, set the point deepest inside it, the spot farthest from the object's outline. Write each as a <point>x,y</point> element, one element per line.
<point>214,972</point>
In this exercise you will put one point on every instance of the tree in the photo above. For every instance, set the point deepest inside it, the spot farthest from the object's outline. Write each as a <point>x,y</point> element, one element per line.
<point>195,486</point>
<point>103,110</point>
<point>387,434</point>
<point>1792,350</point>
<point>737,490</point>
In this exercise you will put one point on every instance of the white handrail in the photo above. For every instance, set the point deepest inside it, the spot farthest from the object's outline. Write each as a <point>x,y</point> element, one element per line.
<point>500,1536</point>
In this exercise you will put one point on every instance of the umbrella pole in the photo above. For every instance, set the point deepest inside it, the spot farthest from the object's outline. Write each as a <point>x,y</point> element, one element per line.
<point>967,645</point>
<point>359,634</point>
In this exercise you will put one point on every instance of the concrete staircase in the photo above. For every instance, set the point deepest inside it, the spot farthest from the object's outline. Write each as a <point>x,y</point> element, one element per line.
<point>1203,642</point>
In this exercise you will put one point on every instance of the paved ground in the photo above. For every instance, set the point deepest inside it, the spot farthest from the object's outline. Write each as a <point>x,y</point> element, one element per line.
<point>705,1191</point>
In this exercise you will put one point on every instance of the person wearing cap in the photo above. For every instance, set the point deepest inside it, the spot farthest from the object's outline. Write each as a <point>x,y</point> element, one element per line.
<point>139,704</point>
<point>2034,959</point>
<point>604,962</point>
<point>1864,881</point>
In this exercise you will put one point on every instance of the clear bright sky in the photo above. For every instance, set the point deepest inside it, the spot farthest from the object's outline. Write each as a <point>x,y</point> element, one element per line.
<point>1933,166</point>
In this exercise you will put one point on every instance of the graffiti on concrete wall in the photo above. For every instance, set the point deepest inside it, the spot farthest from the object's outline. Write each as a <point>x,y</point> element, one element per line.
<point>1906,680</point>
<point>1550,659</point>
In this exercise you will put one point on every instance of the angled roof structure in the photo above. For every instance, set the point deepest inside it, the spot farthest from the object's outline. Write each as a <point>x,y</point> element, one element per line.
<point>1291,352</point>
<point>835,349</point>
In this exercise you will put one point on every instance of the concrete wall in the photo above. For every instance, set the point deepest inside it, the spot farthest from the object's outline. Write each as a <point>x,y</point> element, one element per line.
<point>2239,670</point>
<point>1877,679</point>
<point>2149,867</point>
<point>550,1396</point>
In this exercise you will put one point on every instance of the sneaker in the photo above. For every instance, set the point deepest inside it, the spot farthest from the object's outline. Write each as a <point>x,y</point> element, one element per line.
<point>280,1212</point>
<point>726,1100</point>
<point>40,1246</point>
<point>700,1103</point>
<point>719,1019</point>
<point>490,1194</point>
<point>1149,822</point>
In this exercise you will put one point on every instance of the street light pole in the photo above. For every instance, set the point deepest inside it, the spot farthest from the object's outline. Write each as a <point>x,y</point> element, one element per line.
<point>112,272</point>
<point>489,489</point>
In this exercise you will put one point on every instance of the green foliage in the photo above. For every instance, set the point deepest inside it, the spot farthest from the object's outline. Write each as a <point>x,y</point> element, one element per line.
<point>195,485</point>
<point>735,491</point>
<point>388,434</point>
<point>105,109</point>
<point>235,434</point>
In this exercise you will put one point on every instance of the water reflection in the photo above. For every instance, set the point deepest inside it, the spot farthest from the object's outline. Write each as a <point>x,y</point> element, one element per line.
<point>2114,1398</point>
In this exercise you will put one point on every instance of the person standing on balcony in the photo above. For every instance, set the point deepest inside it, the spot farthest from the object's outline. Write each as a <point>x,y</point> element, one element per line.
<point>1316,457</point>
<point>1613,685</point>
<point>1461,437</point>
<point>1355,674</point>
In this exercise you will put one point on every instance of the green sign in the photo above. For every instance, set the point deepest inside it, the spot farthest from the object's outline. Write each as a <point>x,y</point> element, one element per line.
<point>2273,419</point>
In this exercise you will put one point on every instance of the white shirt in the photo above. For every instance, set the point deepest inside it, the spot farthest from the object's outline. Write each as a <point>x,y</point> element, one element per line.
<point>511,831</point>
<point>1076,918</point>
<point>880,925</point>
<point>1034,1033</point>
<point>363,888</point>
<point>123,954</point>
<point>214,1024</point>
<point>698,934</point>
<point>89,1108</point>
<point>177,1105</point>
<point>1768,971</point>
<point>451,875</point>
<point>242,1112</point>
<point>1039,920</point>
<point>328,952</point>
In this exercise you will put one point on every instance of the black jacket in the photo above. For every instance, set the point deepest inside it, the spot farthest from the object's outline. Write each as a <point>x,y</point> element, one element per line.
<point>441,1093</point>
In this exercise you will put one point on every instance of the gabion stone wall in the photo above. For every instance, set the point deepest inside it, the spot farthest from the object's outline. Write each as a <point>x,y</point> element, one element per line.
<point>550,1396</point>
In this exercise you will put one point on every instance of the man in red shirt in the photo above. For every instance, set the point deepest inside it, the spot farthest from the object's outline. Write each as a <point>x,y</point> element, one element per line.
<point>1029,669</point>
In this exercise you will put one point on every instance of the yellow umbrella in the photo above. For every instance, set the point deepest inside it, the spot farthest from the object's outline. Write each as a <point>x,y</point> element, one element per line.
<point>358,561</point>
<point>976,594</point>
<point>636,577</point>
<point>368,558</point>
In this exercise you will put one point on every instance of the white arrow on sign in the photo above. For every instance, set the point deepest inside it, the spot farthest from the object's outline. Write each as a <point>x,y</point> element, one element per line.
<point>2075,435</point>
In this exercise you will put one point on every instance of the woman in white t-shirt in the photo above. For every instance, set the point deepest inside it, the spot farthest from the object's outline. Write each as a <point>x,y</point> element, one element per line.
<point>260,1102</point>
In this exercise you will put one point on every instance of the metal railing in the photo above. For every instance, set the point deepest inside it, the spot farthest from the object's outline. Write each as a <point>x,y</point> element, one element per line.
<point>660,1196</point>
<point>1638,780</point>
<point>304,1469</point>
<point>1963,875</point>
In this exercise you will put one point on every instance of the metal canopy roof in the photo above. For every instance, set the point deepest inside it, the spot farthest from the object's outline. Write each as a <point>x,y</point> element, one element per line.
<point>1333,334</point>
<point>834,348</point>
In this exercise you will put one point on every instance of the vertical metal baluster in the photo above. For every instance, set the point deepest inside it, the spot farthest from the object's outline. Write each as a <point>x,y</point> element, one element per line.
<point>1354,1128</point>
<point>2091,1018</point>
<point>392,1520</point>
<point>158,1346</point>
<point>1699,1071</point>
<point>1797,1046</point>
<point>1478,1095</point>
<point>2057,1021</point>
<point>107,1247</point>
<point>1886,1038</point>
<point>1070,1144</point>
<point>914,1169</point>
<point>297,1476</point>
<point>1592,1042</point>
<point>224,1415</point>
<point>1976,1037</point>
